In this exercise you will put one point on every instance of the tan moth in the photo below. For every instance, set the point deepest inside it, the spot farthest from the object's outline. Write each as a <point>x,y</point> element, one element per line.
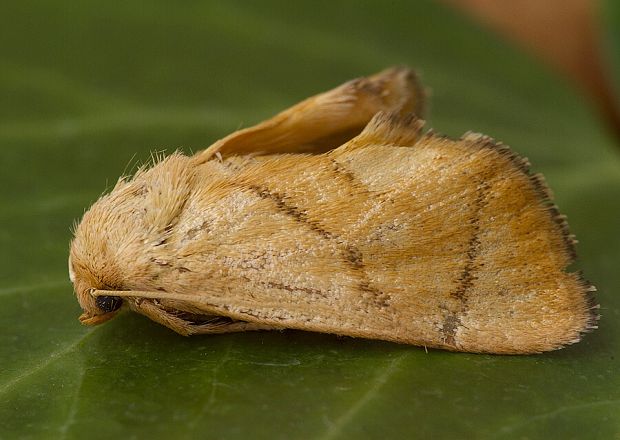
<point>340,215</point>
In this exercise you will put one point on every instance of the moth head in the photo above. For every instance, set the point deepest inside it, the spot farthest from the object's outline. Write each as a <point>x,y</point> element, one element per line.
<point>113,243</point>
<point>93,264</point>
<point>96,309</point>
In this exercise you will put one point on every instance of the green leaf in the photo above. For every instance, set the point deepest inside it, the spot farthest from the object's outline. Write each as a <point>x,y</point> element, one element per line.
<point>89,87</point>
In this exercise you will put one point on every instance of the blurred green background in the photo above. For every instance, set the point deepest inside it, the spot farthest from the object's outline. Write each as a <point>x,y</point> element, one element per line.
<point>87,88</point>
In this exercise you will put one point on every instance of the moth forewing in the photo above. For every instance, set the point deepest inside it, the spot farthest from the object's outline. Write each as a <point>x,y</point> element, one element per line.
<point>442,243</point>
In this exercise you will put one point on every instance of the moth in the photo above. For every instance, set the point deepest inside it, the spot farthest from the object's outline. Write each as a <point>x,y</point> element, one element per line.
<point>340,215</point>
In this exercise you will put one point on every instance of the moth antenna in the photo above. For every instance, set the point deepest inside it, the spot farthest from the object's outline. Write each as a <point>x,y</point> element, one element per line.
<point>146,294</point>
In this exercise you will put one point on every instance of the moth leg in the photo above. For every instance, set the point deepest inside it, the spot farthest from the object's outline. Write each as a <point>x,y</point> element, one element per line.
<point>326,121</point>
<point>235,326</point>
<point>178,322</point>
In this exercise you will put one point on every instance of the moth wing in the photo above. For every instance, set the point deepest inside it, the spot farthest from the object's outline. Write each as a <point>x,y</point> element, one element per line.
<point>395,236</point>
<point>327,120</point>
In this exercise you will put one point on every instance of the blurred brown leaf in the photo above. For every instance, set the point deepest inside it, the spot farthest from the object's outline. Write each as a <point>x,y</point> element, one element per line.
<point>564,33</point>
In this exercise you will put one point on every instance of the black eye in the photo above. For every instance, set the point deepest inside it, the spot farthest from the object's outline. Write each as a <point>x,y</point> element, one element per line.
<point>108,303</point>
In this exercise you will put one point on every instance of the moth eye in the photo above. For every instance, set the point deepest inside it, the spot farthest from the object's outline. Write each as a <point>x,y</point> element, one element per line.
<point>109,303</point>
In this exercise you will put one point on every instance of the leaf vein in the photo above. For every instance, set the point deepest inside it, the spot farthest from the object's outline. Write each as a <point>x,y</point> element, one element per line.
<point>550,414</point>
<point>336,428</point>
<point>64,429</point>
<point>4,388</point>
